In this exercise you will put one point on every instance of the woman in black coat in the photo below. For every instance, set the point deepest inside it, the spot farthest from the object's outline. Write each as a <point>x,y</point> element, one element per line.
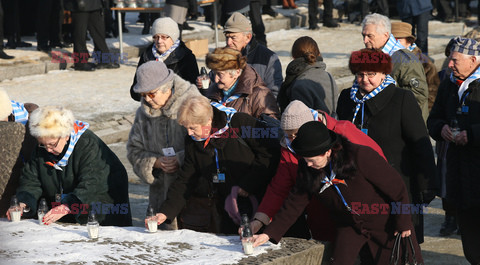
<point>168,48</point>
<point>391,116</point>
<point>223,152</point>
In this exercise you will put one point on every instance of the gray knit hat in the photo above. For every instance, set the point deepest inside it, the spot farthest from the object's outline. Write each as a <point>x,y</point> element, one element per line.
<point>167,26</point>
<point>295,115</point>
<point>237,23</point>
<point>152,75</point>
<point>465,46</point>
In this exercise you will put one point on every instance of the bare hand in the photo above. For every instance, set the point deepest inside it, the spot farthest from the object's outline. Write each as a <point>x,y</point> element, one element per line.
<point>260,239</point>
<point>446,133</point>
<point>199,81</point>
<point>242,192</point>
<point>160,219</point>
<point>405,233</point>
<point>168,164</point>
<point>55,214</point>
<point>22,206</point>
<point>461,138</point>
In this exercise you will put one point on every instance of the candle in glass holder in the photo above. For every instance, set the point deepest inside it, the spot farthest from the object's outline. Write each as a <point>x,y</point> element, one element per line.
<point>92,226</point>
<point>152,220</point>
<point>42,210</point>
<point>15,210</point>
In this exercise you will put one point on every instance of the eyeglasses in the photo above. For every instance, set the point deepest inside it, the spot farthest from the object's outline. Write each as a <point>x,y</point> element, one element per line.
<point>369,75</point>
<point>51,146</point>
<point>149,94</point>
<point>163,37</point>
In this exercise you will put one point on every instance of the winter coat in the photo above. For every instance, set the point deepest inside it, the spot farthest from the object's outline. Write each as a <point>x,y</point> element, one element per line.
<point>182,3</point>
<point>89,5</point>
<point>255,98</point>
<point>463,162</point>
<point>286,176</point>
<point>154,130</point>
<point>94,175</point>
<point>249,164</point>
<point>374,186</point>
<point>394,121</point>
<point>310,84</point>
<point>412,8</point>
<point>431,74</point>
<point>181,61</point>
<point>409,73</point>
<point>266,63</point>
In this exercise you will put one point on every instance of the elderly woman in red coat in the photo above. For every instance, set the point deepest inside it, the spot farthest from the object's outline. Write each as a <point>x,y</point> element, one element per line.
<point>361,190</point>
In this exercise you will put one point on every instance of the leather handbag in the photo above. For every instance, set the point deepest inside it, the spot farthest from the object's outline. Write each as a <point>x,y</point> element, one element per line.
<point>403,251</point>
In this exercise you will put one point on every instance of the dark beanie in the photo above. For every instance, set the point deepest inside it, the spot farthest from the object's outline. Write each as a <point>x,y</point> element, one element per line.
<point>370,60</point>
<point>313,139</point>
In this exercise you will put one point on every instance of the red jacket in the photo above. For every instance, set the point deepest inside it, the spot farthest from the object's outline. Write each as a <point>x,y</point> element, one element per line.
<point>320,224</point>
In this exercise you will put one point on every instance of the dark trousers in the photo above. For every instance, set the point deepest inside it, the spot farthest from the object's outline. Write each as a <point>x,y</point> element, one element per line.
<point>94,22</point>
<point>12,19</point>
<point>258,27</point>
<point>1,26</point>
<point>420,23</point>
<point>470,232</point>
<point>312,13</point>
<point>383,7</point>
<point>49,21</point>
<point>327,11</point>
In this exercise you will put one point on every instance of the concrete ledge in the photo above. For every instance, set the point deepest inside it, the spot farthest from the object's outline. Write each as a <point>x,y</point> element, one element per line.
<point>294,251</point>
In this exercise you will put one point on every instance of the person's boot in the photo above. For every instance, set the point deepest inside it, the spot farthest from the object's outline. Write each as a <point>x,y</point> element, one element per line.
<point>285,4</point>
<point>5,56</point>
<point>449,226</point>
<point>292,4</point>
<point>11,43</point>
<point>267,10</point>
<point>187,27</point>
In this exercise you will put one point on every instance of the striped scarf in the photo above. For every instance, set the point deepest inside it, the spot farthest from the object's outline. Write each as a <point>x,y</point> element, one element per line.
<point>353,93</point>
<point>163,56</point>
<point>20,113</point>
<point>463,87</point>
<point>412,47</point>
<point>78,129</point>
<point>230,112</point>
<point>392,46</point>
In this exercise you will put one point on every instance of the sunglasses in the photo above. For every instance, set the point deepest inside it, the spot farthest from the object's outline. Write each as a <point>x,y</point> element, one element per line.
<point>149,94</point>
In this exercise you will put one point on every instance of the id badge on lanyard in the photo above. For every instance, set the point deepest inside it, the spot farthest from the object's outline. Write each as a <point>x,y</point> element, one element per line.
<point>219,177</point>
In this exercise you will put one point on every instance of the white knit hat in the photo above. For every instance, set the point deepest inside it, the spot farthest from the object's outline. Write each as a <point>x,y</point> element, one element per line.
<point>51,121</point>
<point>5,105</point>
<point>295,115</point>
<point>167,26</point>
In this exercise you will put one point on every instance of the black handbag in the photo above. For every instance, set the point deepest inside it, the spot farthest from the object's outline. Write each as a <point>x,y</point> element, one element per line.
<point>407,253</point>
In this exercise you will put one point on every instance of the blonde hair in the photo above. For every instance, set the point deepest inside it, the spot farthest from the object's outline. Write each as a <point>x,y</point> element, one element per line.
<point>51,121</point>
<point>222,59</point>
<point>195,110</point>
<point>5,105</point>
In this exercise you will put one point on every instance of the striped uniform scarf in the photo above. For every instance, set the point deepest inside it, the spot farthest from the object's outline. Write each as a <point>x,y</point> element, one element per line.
<point>353,93</point>
<point>464,85</point>
<point>230,112</point>
<point>412,47</point>
<point>163,56</point>
<point>20,113</point>
<point>392,46</point>
<point>78,129</point>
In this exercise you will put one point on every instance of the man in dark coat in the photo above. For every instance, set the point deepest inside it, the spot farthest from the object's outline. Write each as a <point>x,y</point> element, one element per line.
<point>87,14</point>
<point>238,35</point>
<point>458,100</point>
<point>179,59</point>
<point>408,70</point>
<point>393,119</point>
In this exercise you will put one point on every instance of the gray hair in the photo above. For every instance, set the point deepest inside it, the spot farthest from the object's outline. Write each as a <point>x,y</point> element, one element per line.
<point>165,87</point>
<point>382,22</point>
<point>232,72</point>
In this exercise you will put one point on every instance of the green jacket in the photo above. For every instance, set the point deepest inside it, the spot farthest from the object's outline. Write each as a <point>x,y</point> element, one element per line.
<point>409,73</point>
<point>94,175</point>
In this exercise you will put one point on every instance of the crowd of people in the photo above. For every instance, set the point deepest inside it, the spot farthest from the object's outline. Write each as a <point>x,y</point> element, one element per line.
<point>296,155</point>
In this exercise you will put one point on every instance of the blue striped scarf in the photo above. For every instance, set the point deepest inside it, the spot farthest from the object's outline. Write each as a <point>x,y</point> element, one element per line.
<point>78,129</point>
<point>392,45</point>
<point>463,87</point>
<point>412,47</point>
<point>353,93</point>
<point>229,111</point>
<point>20,113</point>
<point>163,56</point>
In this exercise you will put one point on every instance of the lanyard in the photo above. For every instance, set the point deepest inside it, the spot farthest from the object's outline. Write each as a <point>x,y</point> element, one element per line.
<point>464,108</point>
<point>216,160</point>
<point>331,182</point>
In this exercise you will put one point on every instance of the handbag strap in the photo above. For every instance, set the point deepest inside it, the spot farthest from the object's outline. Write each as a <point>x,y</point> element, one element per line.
<point>396,250</point>
<point>412,249</point>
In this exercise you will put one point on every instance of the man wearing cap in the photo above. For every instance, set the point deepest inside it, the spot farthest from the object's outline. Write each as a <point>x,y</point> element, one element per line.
<point>402,31</point>
<point>455,118</point>
<point>168,48</point>
<point>407,70</point>
<point>238,35</point>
